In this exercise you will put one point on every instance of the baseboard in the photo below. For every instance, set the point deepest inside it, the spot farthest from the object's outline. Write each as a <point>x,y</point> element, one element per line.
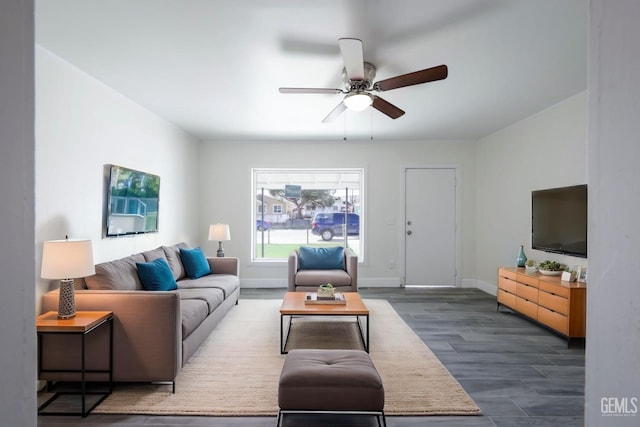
<point>386,282</point>
<point>263,283</point>
<point>390,282</point>
<point>468,283</point>
<point>489,288</point>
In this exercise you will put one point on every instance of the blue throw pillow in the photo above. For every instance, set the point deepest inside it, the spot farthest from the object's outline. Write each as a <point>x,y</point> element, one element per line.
<point>156,275</point>
<point>195,262</point>
<point>321,258</point>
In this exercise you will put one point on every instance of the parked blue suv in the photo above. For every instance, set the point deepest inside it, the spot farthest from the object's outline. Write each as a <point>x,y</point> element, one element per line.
<point>327,225</point>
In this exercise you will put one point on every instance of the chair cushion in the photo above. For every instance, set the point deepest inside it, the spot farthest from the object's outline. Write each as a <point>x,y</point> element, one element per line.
<point>321,258</point>
<point>320,277</point>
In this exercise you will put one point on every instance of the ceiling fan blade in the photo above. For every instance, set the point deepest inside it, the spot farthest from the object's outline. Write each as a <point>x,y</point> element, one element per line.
<point>335,113</point>
<point>417,77</point>
<point>309,90</point>
<point>353,58</point>
<point>386,107</point>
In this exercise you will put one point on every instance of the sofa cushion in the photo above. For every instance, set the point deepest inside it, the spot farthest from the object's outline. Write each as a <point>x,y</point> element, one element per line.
<point>120,274</point>
<point>173,258</point>
<point>212,296</point>
<point>156,275</point>
<point>193,312</point>
<point>321,258</point>
<point>195,262</point>
<point>154,254</point>
<point>226,282</point>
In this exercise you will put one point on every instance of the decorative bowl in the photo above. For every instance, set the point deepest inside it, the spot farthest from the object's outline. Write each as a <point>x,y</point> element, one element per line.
<point>531,269</point>
<point>550,272</point>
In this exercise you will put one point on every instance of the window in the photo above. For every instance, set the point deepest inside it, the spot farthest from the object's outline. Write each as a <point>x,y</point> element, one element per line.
<point>310,207</point>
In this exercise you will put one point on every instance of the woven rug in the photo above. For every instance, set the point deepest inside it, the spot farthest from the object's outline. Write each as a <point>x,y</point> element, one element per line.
<point>236,370</point>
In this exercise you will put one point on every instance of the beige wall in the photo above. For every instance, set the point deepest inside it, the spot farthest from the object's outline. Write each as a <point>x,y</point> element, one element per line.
<point>225,174</point>
<point>546,150</point>
<point>82,125</point>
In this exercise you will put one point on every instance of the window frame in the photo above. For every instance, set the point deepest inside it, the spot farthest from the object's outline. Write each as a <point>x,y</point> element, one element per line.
<point>358,205</point>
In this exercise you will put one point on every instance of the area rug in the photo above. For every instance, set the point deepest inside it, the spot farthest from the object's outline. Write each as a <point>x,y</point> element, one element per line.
<point>235,372</point>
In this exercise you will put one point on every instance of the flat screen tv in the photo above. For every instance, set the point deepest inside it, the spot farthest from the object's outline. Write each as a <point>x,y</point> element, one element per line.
<point>559,220</point>
<point>132,202</point>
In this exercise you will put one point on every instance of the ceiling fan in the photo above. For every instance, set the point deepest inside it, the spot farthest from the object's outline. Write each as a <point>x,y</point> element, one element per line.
<point>358,78</point>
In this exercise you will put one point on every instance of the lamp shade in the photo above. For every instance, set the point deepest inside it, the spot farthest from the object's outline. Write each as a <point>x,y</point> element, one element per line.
<point>67,259</point>
<point>358,101</point>
<point>219,232</point>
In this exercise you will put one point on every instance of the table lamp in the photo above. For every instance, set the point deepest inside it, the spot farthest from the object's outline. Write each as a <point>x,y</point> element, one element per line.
<point>63,260</point>
<point>219,232</point>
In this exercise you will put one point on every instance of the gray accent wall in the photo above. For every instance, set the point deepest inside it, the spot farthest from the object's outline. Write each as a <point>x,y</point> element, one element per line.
<point>613,295</point>
<point>17,275</point>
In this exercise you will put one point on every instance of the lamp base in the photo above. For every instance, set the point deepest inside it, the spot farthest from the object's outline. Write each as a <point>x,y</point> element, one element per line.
<point>66,303</point>
<point>220,252</point>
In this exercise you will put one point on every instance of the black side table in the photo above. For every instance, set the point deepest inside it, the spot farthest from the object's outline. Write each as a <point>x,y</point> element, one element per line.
<point>82,324</point>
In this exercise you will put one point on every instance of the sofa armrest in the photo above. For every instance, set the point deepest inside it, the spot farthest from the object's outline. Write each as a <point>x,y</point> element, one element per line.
<point>351,266</point>
<point>224,265</point>
<point>293,269</point>
<point>147,336</point>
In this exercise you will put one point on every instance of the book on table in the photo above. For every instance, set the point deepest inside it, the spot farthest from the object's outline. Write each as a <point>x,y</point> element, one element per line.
<point>313,298</point>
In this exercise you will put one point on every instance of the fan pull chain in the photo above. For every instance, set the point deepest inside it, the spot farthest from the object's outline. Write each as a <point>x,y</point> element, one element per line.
<point>371,116</point>
<point>344,128</point>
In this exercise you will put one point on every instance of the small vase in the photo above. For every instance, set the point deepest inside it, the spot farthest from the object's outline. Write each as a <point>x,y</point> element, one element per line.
<point>522,258</point>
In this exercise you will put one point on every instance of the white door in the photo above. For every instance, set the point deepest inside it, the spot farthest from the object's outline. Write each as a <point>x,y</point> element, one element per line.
<point>430,227</point>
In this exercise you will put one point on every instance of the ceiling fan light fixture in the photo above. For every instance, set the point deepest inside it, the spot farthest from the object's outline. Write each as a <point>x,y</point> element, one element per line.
<point>358,101</point>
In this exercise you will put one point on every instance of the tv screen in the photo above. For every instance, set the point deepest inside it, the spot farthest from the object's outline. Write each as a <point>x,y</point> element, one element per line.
<point>559,220</point>
<point>132,202</point>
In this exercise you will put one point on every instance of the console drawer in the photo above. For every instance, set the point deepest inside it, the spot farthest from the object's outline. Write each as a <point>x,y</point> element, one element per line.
<point>527,292</point>
<point>506,298</point>
<point>507,273</point>
<point>554,289</point>
<point>554,320</point>
<point>529,280</point>
<point>527,308</point>
<point>553,302</point>
<point>507,284</point>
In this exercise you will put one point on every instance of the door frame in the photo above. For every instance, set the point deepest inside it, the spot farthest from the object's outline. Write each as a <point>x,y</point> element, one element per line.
<point>458,197</point>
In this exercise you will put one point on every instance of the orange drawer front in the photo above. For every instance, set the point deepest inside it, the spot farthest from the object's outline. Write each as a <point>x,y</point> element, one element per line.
<point>554,289</point>
<point>502,272</point>
<point>554,320</point>
<point>507,284</point>
<point>529,280</point>
<point>554,302</point>
<point>506,298</point>
<point>527,308</point>
<point>527,292</point>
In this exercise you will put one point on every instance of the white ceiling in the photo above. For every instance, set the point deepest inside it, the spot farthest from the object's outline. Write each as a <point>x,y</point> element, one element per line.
<point>213,67</point>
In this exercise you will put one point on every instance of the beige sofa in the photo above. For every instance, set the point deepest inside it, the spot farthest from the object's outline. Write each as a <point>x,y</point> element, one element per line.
<point>308,280</point>
<point>155,332</point>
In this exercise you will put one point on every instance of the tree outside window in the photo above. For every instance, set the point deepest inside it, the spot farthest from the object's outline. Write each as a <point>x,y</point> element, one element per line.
<point>308,208</point>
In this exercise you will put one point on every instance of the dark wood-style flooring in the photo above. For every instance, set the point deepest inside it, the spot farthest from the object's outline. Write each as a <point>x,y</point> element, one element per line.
<point>518,373</point>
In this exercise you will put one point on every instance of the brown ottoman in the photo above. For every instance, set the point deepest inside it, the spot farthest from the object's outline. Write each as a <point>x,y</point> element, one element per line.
<point>330,381</point>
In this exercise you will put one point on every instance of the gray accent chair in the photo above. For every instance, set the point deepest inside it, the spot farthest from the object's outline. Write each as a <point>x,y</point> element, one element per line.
<point>345,280</point>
